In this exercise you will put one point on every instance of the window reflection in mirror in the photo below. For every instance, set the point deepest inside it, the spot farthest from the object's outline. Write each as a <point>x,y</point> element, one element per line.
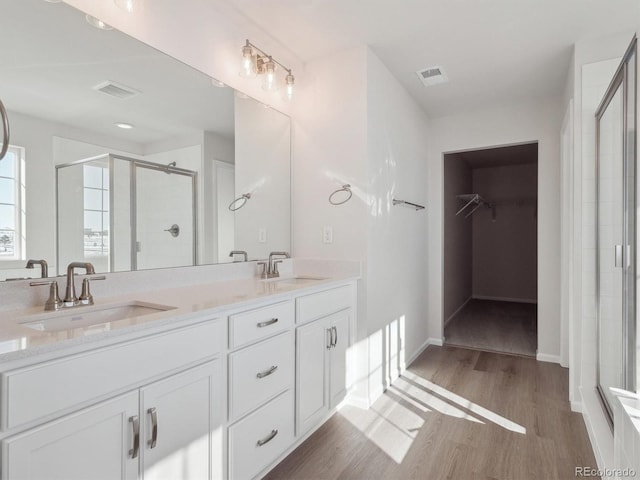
<point>69,88</point>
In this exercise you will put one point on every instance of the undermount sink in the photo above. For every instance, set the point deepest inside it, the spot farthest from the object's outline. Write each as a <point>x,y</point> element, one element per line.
<point>296,280</point>
<point>103,317</point>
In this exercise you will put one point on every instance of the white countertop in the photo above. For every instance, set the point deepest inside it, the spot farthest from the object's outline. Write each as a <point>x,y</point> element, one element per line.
<point>18,341</point>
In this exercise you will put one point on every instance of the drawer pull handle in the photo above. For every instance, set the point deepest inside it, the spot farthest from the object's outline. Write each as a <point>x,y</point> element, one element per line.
<point>335,336</point>
<point>154,427</point>
<point>266,373</point>
<point>135,424</point>
<point>268,438</point>
<point>329,338</point>
<point>267,323</point>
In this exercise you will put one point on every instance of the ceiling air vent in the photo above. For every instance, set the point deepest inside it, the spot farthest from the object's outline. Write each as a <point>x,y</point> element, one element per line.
<point>432,76</point>
<point>116,89</point>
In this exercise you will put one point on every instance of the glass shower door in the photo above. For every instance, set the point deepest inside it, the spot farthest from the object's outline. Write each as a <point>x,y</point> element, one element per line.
<point>616,233</point>
<point>611,248</point>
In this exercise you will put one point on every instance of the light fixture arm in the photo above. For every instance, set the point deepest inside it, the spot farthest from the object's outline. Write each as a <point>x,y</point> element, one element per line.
<point>266,55</point>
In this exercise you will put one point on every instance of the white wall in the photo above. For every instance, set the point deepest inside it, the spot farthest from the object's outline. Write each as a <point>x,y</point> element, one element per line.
<point>397,152</point>
<point>522,123</point>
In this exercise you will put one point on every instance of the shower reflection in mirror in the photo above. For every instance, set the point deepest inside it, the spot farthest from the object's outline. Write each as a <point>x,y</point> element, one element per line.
<point>114,212</point>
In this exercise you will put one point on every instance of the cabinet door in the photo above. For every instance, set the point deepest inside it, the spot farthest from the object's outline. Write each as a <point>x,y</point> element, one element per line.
<point>337,372</point>
<point>182,415</point>
<point>312,348</point>
<point>93,443</point>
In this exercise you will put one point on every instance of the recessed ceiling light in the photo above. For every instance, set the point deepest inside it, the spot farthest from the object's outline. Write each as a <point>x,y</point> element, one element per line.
<point>217,83</point>
<point>126,126</point>
<point>96,22</point>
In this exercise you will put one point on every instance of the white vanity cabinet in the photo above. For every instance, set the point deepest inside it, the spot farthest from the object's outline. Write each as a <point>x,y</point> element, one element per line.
<point>93,443</point>
<point>321,349</point>
<point>169,426</point>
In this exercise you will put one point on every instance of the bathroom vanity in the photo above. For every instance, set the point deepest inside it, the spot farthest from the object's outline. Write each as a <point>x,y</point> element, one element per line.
<point>217,380</point>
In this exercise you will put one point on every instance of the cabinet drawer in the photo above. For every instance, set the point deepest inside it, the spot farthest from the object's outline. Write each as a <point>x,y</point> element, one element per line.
<point>38,391</point>
<point>257,440</point>
<point>311,307</point>
<point>251,326</point>
<point>260,372</point>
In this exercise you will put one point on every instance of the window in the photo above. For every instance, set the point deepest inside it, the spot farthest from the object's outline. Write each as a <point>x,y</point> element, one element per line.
<point>12,220</point>
<point>96,211</point>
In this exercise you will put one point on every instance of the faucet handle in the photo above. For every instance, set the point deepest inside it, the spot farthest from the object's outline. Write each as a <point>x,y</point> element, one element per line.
<point>275,272</point>
<point>85,297</point>
<point>53,302</point>
<point>264,269</point>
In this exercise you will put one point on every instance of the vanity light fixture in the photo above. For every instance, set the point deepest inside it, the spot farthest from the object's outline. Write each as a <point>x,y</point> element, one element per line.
<point>124,126</point>
<point>256,62</point>
<point>96,22</point>
<point>130,6</point>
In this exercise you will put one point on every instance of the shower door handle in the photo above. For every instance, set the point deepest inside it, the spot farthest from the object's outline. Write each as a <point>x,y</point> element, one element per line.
<point>618,256</point>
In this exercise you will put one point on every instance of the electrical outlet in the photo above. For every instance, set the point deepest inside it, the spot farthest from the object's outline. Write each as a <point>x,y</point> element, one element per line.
<point>262,235</point>
<point>327,235</point>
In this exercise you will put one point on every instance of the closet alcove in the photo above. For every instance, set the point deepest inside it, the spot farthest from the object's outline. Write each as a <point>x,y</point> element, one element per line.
<point>490,249</point>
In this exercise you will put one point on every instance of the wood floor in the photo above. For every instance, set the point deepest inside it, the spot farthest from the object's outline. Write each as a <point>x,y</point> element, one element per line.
<point>456,414</point>
<point>508,327</point>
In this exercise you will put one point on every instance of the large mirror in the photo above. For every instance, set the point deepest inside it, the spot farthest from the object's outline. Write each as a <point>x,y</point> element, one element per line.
<point>125,157</point>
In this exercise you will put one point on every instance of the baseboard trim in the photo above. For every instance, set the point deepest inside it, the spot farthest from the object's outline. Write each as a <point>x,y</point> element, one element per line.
<point>464,304</point>
<point>544,357</point>
<point>422,348</point>
<point>505,299</point>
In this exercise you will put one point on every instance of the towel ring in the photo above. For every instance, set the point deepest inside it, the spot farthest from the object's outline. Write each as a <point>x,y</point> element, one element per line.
<point>345,188</point>
<point>5,131</point>
<point>243,199</point>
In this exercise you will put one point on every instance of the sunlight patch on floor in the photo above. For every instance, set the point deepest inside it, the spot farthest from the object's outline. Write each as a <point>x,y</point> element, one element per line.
<point>389,425</point>
<point>464,403</point>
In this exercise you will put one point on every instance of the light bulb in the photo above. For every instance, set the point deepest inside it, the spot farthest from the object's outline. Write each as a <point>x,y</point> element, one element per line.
<point>269,84</point>
<point>130,6</point>
<point>247,70</point>
<point>289,80</point>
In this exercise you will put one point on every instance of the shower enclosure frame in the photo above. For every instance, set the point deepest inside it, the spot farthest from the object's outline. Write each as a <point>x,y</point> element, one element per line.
<point>133,164</point>
<point>627,67</point>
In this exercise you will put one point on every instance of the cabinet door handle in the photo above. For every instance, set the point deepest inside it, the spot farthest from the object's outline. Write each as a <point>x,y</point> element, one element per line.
<point>329,338</point>
<point>335,336</point>
<point>135,425</point>
<point>267,323</point>
<point>268,438</point>
<point>154,427</point>
<point>268,372</point>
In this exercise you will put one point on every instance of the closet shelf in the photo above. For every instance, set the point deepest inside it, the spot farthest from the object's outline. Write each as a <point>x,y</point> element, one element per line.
<point>473,201</point>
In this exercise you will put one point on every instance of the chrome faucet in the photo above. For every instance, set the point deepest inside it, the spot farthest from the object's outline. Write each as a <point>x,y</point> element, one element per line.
<point>44,268</point>
<point>70,298</point>
<point>272,267</point>
<point>239,252</point>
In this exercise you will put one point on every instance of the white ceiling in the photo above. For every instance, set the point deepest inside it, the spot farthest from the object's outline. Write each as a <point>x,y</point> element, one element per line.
<point>494,51</point>
<point>52,58</point>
